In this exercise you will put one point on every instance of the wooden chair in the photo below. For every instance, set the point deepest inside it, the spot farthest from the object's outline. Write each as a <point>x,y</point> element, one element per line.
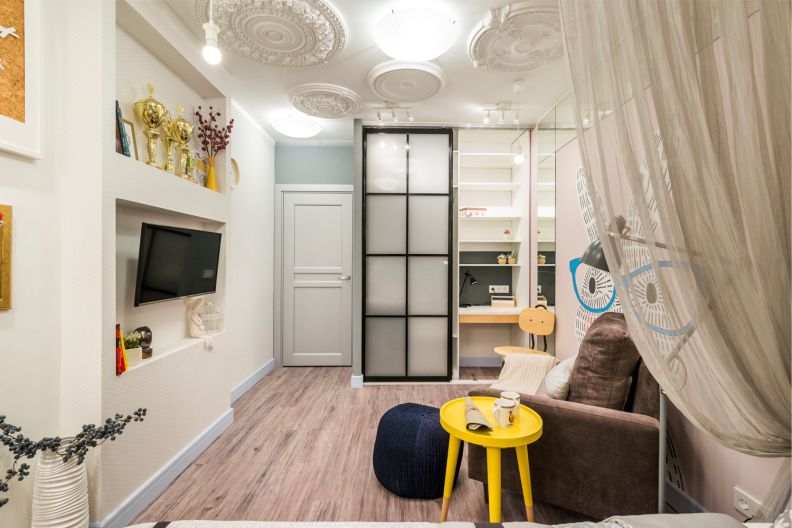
<point>535,322</point>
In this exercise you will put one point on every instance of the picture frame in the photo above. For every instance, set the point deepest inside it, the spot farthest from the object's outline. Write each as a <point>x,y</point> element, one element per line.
<point>129,127</point>
<point>20,112</point>
<point>6,236</point>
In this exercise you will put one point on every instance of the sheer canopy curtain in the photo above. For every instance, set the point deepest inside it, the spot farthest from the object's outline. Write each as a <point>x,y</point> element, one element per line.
<point>683,110</point>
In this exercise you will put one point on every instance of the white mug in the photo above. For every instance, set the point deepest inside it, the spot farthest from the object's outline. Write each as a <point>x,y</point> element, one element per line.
<point>513,396</point>
<point>504,413</point>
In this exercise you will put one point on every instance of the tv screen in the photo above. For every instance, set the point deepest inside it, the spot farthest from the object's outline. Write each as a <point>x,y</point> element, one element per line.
<point>174,262</point>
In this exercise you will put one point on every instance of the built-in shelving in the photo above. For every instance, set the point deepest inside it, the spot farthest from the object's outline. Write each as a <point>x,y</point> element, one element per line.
<point>502,241</point>
<point>488,186</point>
<point>491,217</point>
<point>495,265</point>
<point>136,183</point>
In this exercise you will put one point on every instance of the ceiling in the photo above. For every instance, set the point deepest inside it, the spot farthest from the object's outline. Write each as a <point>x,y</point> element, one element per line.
<point>263,90</point>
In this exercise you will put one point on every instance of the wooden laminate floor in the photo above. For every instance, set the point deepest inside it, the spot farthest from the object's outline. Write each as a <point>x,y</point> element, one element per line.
<point>300,449</point>
<point>479,373</point>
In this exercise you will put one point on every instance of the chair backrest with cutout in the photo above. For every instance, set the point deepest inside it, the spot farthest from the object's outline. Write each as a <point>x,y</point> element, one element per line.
<point>537,321</point>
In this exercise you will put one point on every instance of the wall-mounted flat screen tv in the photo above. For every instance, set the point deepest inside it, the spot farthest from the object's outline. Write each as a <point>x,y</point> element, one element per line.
<point>174,263</point>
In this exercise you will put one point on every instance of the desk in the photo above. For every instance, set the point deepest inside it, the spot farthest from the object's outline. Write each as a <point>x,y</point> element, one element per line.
<point>489,315</point>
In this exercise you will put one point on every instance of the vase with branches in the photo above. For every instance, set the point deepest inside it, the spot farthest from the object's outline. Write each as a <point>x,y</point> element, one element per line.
<point>214,139</point>
<point>66,493</point>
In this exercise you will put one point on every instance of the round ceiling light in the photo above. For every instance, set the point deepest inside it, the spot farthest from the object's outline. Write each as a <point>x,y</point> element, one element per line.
<point>296,125</point>
<point>415,34</point>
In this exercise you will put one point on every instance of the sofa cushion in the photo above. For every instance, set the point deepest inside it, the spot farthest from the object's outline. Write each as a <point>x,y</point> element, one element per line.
<point>605,364</point>
<point>556,382</point>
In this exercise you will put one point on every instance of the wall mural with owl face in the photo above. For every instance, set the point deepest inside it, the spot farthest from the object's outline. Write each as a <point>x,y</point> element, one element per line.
<point>595,289</point>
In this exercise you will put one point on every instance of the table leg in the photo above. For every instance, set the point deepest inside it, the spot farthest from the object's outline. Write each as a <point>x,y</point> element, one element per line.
<point>494,483</point>
<point>525,480</point>
<point>453,454</point>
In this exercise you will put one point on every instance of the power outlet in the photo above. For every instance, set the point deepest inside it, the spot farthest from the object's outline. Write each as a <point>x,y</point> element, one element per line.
<point>745,504</point>
<point>499,288</point>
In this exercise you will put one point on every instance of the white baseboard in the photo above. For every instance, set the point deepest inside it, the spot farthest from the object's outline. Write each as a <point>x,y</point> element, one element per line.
<point>484,361</point>
<point>126,512</point>
<point>251,380</point>
<point>357,381</point>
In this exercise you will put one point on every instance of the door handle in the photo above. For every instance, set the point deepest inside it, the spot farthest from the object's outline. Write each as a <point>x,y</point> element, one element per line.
<point>344,277</point>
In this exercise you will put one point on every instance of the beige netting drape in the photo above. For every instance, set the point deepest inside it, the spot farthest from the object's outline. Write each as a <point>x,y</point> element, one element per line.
<point>683,110</point>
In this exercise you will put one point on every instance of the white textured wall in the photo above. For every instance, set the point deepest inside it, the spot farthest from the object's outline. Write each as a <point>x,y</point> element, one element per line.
<point>250,239</point>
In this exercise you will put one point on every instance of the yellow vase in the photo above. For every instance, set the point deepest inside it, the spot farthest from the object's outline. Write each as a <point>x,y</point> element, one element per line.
<point>211,180</point>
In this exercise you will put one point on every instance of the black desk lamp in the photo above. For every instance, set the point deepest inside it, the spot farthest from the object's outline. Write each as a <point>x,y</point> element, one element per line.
<point>473,281</point>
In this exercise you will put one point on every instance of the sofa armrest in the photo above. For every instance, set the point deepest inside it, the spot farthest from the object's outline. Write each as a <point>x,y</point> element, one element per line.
<point>595,461</point>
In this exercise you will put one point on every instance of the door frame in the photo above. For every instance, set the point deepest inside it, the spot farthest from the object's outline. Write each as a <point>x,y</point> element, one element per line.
<point>280,193</point>
<point>452,215</point>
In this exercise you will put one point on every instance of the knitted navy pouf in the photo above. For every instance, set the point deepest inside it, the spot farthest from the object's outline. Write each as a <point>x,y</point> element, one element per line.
<point>411,450</point>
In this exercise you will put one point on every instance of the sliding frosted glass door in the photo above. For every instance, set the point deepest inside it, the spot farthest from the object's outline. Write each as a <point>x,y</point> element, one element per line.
<point>407,214</point>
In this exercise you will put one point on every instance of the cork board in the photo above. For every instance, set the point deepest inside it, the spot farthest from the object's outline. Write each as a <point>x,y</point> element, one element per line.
<point>5,258</point>
<point>12,60</point>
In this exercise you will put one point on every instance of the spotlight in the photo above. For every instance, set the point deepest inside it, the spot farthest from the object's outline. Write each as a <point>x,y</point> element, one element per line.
<point>519,159</point>
<point>394,116</point>
<point>516,118</point>
<point>211,53</point>
<point>487,118</point>
<point>502,117</point>
<point>379,116</point>
<point>410,117</point>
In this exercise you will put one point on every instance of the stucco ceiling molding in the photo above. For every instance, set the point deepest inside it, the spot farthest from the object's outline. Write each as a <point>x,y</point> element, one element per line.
<point>325,100</point>
<point>280,33</point>
<point>406,82</point>
<point>518,37</point>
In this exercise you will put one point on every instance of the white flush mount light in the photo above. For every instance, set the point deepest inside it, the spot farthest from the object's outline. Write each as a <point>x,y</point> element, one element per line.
<point>211,53</point>
<point>296,125</point>
<point>415,34</point>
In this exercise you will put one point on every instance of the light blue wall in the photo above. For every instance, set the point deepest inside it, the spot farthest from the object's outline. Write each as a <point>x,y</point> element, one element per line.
<point>315,164</point>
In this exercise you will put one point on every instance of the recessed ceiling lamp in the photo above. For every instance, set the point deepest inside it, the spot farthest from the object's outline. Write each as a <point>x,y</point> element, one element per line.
<point>211,53</point>
<point>415,34</point>
<point>296,125</point>
<point>519,159</point>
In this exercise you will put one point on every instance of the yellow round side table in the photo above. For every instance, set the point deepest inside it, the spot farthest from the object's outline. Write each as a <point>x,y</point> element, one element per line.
<point>527,430</point>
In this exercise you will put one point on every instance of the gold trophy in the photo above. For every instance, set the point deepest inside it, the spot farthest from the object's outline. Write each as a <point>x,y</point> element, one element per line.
<point>181,132</point>
<point>152,114</point>
<point>167,138</point>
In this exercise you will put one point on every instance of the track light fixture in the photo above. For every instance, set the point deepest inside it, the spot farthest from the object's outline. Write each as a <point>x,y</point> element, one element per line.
<point>397,113</point>
<point>503,110</point>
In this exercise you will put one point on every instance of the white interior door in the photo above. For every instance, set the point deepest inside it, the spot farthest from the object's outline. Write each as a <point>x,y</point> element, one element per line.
<point>317,279</point>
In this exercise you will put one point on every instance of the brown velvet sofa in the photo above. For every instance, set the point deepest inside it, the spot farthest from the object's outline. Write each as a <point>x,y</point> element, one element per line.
<point>592,460</point>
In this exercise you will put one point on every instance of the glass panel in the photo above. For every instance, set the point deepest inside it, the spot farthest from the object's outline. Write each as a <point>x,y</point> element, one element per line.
<point>385,224</point>
<point>429,163</point>
<point>428,280</point>
<point>428,224</point>
<point>428,346</point>
<point>386,163</point>
<point>386,285</point>
<point>385,346</point>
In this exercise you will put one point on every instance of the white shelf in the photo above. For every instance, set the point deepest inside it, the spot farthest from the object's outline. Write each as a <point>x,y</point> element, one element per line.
<point>137,184</point>
<point>174,348</point>
<point>490,160</point>
<point>492,241</point>
<point>496,265</point>
<point>546,265</point>
<point>491,217</point>
<point>482,186</point>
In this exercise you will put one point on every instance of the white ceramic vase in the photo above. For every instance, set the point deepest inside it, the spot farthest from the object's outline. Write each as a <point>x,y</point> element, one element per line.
<point>60,494</point>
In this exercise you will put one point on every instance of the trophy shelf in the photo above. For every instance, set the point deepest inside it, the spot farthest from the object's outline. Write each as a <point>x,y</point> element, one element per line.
<point>136,182</point>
